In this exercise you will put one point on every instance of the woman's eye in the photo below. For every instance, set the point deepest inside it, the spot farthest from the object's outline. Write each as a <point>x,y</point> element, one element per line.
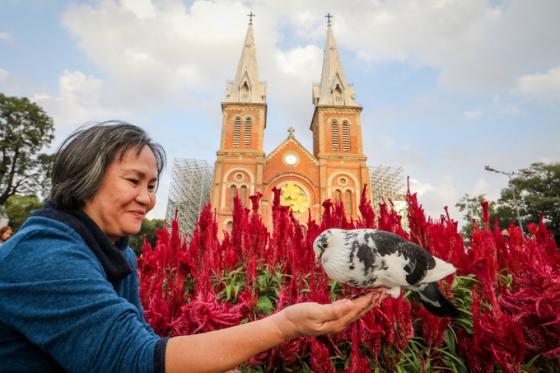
<point>151,188</point>
<point>134,181</point>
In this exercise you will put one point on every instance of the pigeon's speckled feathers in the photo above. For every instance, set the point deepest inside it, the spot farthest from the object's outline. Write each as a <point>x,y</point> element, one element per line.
<point>369,258</point>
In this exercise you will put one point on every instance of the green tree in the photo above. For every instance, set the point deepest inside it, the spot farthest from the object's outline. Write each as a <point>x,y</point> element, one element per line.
<point>147,232</point>
<point>534,191</point>
<point>25,129</point>
<point>537,191</point>
<point>472,210</point>
<point>18,208</point>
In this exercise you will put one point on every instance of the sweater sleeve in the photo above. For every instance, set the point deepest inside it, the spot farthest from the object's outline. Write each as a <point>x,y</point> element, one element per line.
<point>132,285</point>
<point>60,300</point>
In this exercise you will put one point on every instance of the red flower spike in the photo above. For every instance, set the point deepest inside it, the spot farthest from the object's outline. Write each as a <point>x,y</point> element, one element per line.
<point>515,297</point>
<point>320,362</point>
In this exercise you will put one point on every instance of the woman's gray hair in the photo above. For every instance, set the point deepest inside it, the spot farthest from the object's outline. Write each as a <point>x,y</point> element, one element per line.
<point>83,158</point>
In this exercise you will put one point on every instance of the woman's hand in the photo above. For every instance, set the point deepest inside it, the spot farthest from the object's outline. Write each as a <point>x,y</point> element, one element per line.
<point>225,349</point>
<point>316,319</point>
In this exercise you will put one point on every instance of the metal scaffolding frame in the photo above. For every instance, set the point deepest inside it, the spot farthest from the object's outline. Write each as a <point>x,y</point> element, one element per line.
<point>387,183</point>
<point>191,181</point>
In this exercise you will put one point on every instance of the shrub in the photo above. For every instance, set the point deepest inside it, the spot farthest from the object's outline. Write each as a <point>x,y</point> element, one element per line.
<point>507,289</point>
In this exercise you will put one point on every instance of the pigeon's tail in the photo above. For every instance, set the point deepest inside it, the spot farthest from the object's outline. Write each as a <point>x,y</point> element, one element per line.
<point>435,302</point>
<point>441,269</point>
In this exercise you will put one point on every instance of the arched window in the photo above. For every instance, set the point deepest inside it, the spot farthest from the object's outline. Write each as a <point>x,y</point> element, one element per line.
<point>338,195</point>
<point>248,130</point>
<point>335,144</point>
<point>243,195</point>
<point>345,136</point>
<point>348,205</point>
<point>232,195</point>
<point>236,132</point>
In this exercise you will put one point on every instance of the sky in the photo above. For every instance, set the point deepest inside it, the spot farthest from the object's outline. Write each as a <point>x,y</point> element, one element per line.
<point>447,86</point>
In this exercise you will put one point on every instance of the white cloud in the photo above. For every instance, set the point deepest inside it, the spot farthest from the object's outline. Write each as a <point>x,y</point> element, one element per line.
<point>80,98</point>
<point>472,114</point>
<point>543,86</point>
<point>505,107</point>
<point>303,62</point>
<point>140,8</point>
<point>419,187</point>
<point>481,186</point>
<point>435,198</point>
<point>3,75</point>
<point>155,53</point>
<point>474,44</point>
<point>4,36</point>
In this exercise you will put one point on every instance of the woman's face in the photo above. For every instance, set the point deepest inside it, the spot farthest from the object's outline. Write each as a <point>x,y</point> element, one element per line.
<point>7,234</point>
<point>126,194</point>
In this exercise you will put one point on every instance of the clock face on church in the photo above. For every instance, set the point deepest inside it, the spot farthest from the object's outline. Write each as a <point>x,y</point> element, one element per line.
<point>290,158</point>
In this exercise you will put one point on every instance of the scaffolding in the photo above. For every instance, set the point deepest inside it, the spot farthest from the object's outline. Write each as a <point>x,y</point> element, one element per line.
<point>386,183</point>
<point>190,191</point>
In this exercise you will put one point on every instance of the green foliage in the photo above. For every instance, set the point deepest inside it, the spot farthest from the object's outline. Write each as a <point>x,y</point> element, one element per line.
<point>25,129</point>
<point>536,190</point>
<point>418,357</point>
<point>267,285</point>
<point>472,210</point>
<point>232,283</point>
<point>18,209</point>
<point>462,298</point>
<point>147,232</point>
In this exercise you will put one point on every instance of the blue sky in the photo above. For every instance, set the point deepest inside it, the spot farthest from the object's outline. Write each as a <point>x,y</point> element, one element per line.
<point>447,86</point>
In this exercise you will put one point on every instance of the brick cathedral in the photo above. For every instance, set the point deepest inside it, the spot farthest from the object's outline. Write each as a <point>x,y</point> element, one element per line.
<point>335,169</point>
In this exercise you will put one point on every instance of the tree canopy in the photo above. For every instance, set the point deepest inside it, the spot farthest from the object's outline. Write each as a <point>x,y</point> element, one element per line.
<point>537,191</point>
<point>18,209</point>
<point>472,210</point>
<point>25,130</point>
<point>147,232</point>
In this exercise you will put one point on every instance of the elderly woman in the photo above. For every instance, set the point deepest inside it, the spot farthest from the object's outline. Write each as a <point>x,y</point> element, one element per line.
<point>68,282</point>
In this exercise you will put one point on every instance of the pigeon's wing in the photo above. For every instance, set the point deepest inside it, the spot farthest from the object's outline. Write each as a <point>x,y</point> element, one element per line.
<point>420,261</point>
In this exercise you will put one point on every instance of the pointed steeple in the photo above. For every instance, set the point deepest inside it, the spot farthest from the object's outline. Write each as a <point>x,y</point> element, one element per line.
<point>333,89</point>
<point>246,88</point>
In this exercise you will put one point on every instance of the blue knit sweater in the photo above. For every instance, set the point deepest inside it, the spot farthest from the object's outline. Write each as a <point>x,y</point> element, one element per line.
<point>59,312</point>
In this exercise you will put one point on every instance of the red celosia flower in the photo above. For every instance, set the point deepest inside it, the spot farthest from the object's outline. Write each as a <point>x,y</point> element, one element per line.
<point>514,304</point>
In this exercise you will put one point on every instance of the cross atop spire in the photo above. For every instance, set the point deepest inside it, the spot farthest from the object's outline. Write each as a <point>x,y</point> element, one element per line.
<point>328,17</point>
<point>251,15</point>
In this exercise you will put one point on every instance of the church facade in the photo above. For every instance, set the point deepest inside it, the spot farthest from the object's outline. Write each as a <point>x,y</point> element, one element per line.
<point>335,169</point>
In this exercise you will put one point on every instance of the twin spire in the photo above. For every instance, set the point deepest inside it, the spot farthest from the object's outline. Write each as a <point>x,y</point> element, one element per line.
<point>246,87</point>
<point>331,91</point>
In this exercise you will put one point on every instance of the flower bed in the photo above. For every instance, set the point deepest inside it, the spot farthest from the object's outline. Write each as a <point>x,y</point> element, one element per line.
<point>507,289</point>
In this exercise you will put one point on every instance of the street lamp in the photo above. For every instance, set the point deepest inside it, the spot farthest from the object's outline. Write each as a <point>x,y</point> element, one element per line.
<point>509,175</point>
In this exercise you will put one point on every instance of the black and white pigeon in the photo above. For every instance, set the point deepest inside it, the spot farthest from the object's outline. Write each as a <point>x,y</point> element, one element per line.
<point>371,258</point>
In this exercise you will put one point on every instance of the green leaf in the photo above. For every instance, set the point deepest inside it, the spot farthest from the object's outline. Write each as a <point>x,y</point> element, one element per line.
<point>264,305</point>
<point>229,290</point>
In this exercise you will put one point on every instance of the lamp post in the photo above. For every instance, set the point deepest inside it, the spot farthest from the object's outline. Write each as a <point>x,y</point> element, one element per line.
<point>509,175</point>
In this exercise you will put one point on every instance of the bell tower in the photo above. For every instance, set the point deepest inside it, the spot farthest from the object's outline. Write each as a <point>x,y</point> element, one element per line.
<point>337,133</point>
<point>240,159</point>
